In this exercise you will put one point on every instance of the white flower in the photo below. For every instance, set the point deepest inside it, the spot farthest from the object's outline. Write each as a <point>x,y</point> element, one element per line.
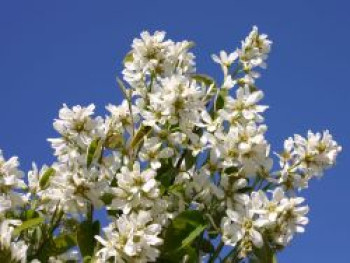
<point>232,185</point>
<point>151,55</point>
<point>152,152</point>
<point>11,176</point>
<point>121,117</point>
<point>75,188</point>
<point>225,60</point>
<point>245,146</point>
<point>282,216</point>
<point>244,107</point>
<point>205,151</point>
<point>243,226</point>
<point>201,190</point>
<point>317,152</point>
<point>305,158</point>
<point>10,183</point>
<point>78,129</point>
<point>136,189</point>
<point>255,49</point>
<point>292,220</point>
<point>268,210</point>
<point>16,251</point>
<point>34,177</point>
<point>229,83</point>
<point>131,238</point>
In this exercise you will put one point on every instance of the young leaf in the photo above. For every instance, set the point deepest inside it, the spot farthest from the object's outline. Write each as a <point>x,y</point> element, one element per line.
<point>207,80</point>
<point>181,234</point>
<point>123,89</point>
<point>166,175</point>
<point>86,237</point>
<point>93,150</point>
<point>190,160</point>
<point>128,58</point>
<point>264,254</point>
<point>192,236</point>
<point>220,100</point>
<point>64,242</point>
<point>28,224</point>
<point>140,135</point>
<point>44,180</point>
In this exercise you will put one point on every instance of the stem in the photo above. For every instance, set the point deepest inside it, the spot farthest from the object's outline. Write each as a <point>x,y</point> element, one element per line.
<point>212,222</point>
<point>199,243</point>
<point>54,224</point>
<point>90,213</point>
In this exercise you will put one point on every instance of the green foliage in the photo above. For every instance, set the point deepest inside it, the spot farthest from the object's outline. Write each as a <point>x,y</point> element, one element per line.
<point>220,100</point>
<point>190,160</point>
<point>166,175</point>
<point>63,243</point>
<point>128,58</point>
<point>28,224</point>
<point>86,237</point>
<point>181,235</point>
<point>123,88</point>
<point>44,180</point>
<point>205,79</point>
<point>263,255</point>
<point>93,151</point>
<point>140,135</point>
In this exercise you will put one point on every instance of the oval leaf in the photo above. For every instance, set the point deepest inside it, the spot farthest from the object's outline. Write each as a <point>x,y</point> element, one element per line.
<point>86,237</point>
<point>28,224</point>
<point>93,149</point>
<point>44,180</point>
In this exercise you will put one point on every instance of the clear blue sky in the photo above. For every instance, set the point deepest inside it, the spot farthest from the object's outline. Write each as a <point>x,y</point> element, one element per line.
<point>54,52</point>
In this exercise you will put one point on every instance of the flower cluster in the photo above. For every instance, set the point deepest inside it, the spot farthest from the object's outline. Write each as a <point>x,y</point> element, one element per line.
<point>277,219</point>
<point>181,162</point>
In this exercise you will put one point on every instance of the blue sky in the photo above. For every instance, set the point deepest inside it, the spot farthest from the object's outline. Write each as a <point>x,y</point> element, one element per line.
<point>54,52</point>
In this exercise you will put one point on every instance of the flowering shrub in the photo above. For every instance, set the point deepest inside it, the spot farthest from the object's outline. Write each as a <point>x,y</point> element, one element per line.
<point>182,169</point>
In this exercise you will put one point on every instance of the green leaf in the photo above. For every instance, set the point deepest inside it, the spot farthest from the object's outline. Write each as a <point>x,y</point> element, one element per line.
<point>87,259</point>
<point>231,170</point>
<point>166,175</point>
<point>265,254</point>
<point>181,234</point>
<point>176,188</point>
<point>140,135</point>
<point>190,255</point>
<point>107,198</point>
<point>220,100</point>
<point>123,88</point>
<point>86,237</point>
<point>205,79</point>
<point>31,213</point>
<point>192,236</point>
<point>55,246</point>
<point>114,140</point>
<point>63,243</point>
<point>128,58</point>
<point>28,224</point>
<point>44,180</point>
<point>190,160</point>
<point>93,150</point>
